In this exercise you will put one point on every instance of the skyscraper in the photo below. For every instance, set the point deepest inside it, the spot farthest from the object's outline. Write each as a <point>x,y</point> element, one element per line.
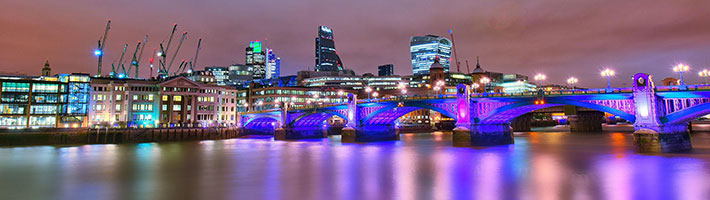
<point>256,59</point>
<point>385,70</point>
<point>273,65</point>
<point>326,57</point>
<point>425,49</point>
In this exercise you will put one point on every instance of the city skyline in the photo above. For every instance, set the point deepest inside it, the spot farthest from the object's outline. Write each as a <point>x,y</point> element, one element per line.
<point>525,38</point>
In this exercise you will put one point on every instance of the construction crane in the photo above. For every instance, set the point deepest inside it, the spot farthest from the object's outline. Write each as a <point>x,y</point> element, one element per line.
<point>134,61</point>
<point>120,61</point>
<point>453,44</point>
<point>100,49</point>
<point>151,62</point>
<point>163,53</point>
<point>184,35</point>
<point>193,63</point>
<point>140,55</point>
<point>468,69</point>
<point>181,67</point>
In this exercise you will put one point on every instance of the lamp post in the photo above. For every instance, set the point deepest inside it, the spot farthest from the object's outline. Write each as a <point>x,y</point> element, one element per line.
<point>608,73</point>
<point>475,87</point>
<point>539,78</point>
<point>680,68</point>
<point>340,96</point>
<point>375,94</point>
<point>571,81</point>
<point>368,89</point>
<point>705,74</point>
<point>441,85</point>
<point>260,103</point>
<point>437,88</point>
<point>484,81</point>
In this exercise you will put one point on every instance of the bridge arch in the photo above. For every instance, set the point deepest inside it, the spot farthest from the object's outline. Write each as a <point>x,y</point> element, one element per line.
<point>394,110</point>
<point>507,113</point>
<point>686,115</point>
<point>315,118</point>
<point>260,120</point>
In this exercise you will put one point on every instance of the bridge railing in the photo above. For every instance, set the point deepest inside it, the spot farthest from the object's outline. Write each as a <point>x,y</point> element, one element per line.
<point>556,92</point>
<point>682,88</point>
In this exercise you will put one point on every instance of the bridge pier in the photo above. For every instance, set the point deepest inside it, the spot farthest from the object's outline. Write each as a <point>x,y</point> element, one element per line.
<point>662,139</point>
<point>295,133</point>
<point>586,122</point>
<point>483,135</point>
<point>522,123</point>
<point>370,133</point>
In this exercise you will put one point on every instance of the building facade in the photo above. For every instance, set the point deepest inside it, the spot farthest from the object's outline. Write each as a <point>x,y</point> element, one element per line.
<point>31,102</point>
<point>385,70</point>
<point>124,103</point>
<point>425,49</point>
<point>273,65</point>
<point>256,59</point>
<point>327,58</point>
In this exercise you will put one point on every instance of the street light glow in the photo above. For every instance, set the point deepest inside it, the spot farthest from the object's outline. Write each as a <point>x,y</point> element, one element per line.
<point>680,68</point>
<point>608,72</point>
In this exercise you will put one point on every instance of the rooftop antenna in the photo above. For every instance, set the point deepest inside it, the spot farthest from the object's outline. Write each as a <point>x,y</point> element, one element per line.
<point>453,44</point>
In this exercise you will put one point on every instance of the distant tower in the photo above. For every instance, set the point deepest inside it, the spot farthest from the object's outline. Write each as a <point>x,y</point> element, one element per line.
<point>436,72</point>
<point>46,70</point>
<point>327,58</point>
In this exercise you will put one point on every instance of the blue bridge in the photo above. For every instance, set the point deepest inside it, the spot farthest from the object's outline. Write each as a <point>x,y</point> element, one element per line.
<point>660,115</point>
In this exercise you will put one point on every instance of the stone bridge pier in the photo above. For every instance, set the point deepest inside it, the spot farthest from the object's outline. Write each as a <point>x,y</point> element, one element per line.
<point>357,131</point>
<point>469,132</point>
<point>651,133</point>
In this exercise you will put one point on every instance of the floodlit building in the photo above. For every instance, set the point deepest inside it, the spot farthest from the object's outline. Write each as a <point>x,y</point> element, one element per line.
<point>256,59</point>
<point>327,58</point>
<point>124,103</point>
<point>425,49</point>
<point>32,102</point>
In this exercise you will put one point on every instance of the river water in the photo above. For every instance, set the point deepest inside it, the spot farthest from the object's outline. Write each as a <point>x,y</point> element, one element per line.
<point>540,165</point>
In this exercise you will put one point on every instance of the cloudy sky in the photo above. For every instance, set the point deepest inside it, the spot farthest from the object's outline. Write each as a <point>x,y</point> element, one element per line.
<point>560,38</point>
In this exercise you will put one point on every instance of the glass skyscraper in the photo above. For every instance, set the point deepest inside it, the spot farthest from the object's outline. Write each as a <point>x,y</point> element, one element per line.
<point>256,59</point>
<point>425,49</point>
<point>326,57</point>
<point>273,65</point>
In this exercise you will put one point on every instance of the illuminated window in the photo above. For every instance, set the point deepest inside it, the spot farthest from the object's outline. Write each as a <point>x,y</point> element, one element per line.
<point>165,97</point>
<point>118,97</point>
<point>177,98</point>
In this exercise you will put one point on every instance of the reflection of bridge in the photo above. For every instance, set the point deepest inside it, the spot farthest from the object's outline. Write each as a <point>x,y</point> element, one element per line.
<point>660,114</point>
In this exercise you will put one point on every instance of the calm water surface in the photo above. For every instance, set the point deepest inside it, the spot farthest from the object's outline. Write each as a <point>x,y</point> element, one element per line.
<point>540,165</point>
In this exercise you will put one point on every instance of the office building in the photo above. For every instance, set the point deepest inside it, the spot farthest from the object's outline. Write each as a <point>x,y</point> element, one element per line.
<point>425,49</point>
<point>385,70</point>
<point>32,102</point>
<point>327,58</point>
<point>221,74</point>
<point>256,59</point>
<point>273,65</point>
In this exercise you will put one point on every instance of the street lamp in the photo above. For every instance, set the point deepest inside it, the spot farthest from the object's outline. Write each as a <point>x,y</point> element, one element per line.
<point>368,89</point>
<point>680,68</point>
<point>571,81</point>
<point>608,73</point>
<point>475,87</point>
<point>437,88</point>
<point>539,78</point>
<point>705,74</point>
<point>375,94</point>
<point>484,82</point>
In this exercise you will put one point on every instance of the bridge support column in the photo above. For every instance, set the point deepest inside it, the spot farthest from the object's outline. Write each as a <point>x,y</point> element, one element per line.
<point>483,135</point>
<point>522,123</point>
<point>295,133</point>
<point>651,135</point>
<point>586,122</point>
<point>370,133</point>
<point>664,138</point>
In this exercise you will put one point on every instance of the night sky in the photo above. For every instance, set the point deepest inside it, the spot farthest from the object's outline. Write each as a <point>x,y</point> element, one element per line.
<point>558,38</point>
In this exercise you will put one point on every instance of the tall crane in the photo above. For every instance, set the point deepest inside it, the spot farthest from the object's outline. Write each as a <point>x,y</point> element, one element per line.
<point>184,35</point>
<point>100,50</point>
<point>140,55</point>
<point>163,53</point>
<point>120,61</point>
<point>134,61</point>
<point>151,62</point>
<point>453,44</point>
<point>193,63</point>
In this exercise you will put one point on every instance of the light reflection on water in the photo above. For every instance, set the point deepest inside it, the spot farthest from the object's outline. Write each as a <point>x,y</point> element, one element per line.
<point>540,165</point>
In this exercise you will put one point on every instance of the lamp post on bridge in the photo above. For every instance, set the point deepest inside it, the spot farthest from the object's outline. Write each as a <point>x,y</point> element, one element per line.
<point>705,74</point>
<point>539,78</point>
<point>571,81</point>
<point>368,89</point>
<point>680,68</point>
<point>608,73</point>
<point>484,81</point>
<point>475,87</point>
